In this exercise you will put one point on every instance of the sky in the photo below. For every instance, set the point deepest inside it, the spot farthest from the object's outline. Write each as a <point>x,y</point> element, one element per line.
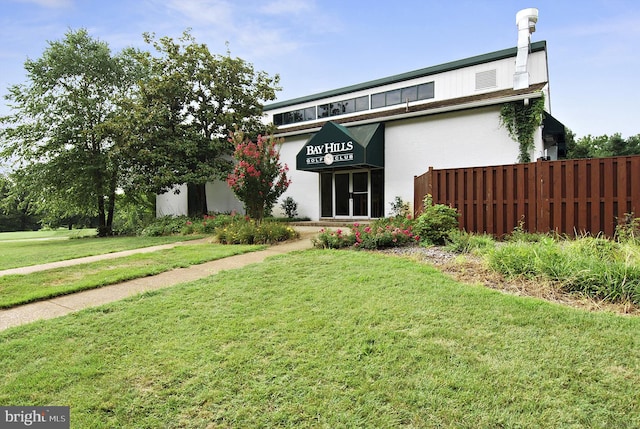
<point>319,45</point>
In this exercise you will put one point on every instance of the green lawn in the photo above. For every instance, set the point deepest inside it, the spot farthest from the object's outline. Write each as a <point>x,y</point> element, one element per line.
<point>49,234</point>
<point>329,339</point>
<point>21,289</point>
<point>25,252</point>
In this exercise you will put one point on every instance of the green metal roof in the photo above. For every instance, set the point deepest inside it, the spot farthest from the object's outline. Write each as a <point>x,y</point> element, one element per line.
<point>454,65</point>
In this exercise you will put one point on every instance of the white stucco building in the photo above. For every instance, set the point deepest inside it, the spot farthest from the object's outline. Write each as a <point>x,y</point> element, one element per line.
<point>353,150</point>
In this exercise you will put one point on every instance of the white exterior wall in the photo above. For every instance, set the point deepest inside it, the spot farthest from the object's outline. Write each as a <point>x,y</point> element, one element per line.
<point>221,199</point>
<point>305,185</point>
<point>172,204</point>
<point>470,138</point>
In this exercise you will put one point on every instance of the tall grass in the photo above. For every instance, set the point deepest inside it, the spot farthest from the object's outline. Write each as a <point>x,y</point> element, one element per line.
<point>594,266</point>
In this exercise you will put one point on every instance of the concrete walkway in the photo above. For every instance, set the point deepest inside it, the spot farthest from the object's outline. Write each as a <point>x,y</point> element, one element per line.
<point>63,305</point>
<point>88,259</point>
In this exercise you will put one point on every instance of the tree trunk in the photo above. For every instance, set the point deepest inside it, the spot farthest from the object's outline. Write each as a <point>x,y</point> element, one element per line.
<point>197,199</point>
<point>103,229</point>
<point>111,204</point>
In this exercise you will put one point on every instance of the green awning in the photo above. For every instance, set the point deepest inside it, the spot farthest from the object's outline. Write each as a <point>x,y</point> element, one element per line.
<point>337,147</point>
<point>554,132</point>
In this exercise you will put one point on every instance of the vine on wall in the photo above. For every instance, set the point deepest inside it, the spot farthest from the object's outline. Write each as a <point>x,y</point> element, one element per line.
<point>521,122</point>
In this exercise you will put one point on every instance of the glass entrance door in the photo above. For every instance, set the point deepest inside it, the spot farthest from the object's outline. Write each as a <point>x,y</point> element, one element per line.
<point>343,194</point>
<point>360,187</point>
<point>352,194</point>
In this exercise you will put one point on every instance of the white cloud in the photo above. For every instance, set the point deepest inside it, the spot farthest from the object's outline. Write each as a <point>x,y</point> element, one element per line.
<point>257,29</point>
<point>282,7</point>
<point>213,12</point>
<point>54,4</point>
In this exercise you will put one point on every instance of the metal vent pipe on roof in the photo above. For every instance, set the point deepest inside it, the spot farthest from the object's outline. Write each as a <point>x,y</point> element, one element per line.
<point>526,20</point>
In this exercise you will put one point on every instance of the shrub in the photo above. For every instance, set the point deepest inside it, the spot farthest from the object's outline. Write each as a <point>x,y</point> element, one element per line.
<point>290,207</point>
<point>133,213</point>
<point>329,239</point>
<point>170,225</point>
<point>400,208</point>
<point>167,225</point>
<point>247,231</point>
<point>521,234</point>
<point>208,223</point>
<point>464,242</point>
<point>436,221</point>
<point>386,232</point>
<point>628,229</point>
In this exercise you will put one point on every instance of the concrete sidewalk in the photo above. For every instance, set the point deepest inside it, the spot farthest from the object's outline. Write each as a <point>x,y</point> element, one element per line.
<point>87,259</point>
<point>63,305</point>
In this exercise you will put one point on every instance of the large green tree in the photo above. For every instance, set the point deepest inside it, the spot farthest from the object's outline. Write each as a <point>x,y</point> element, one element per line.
<point>15,210</point>
<point>602,146</point>
<point>185,111</point>
<point>62,135</point>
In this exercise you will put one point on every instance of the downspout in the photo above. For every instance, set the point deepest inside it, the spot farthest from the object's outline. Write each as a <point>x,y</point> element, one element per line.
<point>526,20</point>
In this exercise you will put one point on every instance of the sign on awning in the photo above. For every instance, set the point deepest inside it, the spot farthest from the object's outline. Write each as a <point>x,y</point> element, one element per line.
<point>336,146</point>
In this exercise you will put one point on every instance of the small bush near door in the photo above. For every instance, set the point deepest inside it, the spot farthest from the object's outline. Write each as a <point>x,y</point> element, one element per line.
<point>290,207</point>
<point>436,222</point>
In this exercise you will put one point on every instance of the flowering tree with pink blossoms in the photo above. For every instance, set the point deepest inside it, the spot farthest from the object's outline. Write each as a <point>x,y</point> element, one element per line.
<point>258,179</point>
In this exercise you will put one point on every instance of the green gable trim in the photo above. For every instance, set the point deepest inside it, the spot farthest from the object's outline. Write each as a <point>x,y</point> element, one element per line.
<point>454,65</point>
<point>336,146</point>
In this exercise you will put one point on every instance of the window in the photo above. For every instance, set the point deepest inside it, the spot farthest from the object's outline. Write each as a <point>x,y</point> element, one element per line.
<point>349,106</point>
<point>393,97</point>
<point>409,94</point>
<point>323,111</point>
<point>425,91</point>
<point>310,114</point>
<point>378,100</point>
<point>397,96</point>
<point>381,99</point>
<point>342,107</point>
<point>362,103</point>
<point>288,117</point>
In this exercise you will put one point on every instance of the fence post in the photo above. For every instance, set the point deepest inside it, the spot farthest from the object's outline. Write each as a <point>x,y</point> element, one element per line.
<point>540,196</point>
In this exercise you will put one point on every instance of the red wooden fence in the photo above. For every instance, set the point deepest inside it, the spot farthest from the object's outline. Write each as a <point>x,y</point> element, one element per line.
<point>569,197</point>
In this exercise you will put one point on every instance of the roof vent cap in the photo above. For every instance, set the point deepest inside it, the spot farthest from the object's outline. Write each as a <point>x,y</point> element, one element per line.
<point>526,20</point>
